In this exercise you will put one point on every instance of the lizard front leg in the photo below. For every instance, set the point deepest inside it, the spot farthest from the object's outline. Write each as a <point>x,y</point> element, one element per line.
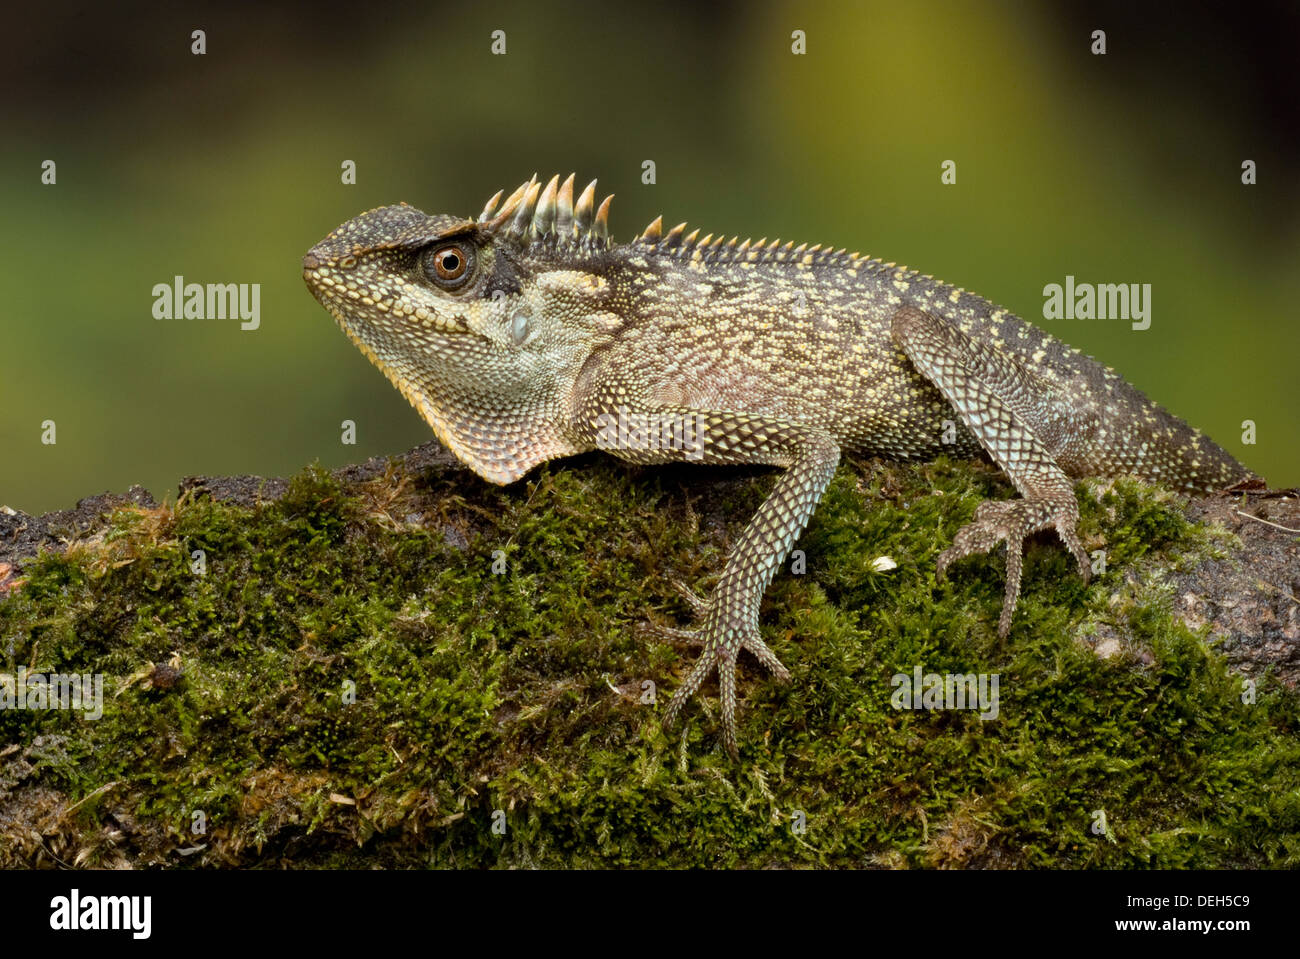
<point>730,616</point>
<point>1009,413</point>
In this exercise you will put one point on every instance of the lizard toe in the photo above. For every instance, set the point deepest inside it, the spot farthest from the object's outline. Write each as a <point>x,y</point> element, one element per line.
<point>674,635</point>
<point>690,685</point>
<point>698,605</point>
<point>754,643</point>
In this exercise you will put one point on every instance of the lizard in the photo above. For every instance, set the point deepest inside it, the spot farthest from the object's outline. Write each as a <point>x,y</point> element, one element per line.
<point>526,334</point>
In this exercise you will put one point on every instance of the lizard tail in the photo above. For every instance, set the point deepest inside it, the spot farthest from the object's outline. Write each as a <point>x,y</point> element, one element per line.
<point>1178,455</point>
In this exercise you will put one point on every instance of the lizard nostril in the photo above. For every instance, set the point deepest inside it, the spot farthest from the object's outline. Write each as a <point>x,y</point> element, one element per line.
<point>309,262</point>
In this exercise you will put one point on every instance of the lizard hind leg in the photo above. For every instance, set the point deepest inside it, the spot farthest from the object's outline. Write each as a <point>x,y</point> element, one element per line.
<point>1010,411</point>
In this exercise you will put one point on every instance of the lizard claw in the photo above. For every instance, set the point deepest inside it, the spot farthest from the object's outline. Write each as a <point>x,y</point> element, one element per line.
<point>1014,521</point>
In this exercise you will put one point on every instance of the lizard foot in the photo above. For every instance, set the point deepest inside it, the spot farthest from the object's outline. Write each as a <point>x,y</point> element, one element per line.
<point>720,654</point>
<point>1014,521</point>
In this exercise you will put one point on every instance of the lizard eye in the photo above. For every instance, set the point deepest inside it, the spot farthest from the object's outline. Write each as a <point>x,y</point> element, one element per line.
<point>449,266</point>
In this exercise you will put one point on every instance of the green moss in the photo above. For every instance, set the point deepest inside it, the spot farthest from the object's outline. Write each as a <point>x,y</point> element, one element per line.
<point>372,673</point>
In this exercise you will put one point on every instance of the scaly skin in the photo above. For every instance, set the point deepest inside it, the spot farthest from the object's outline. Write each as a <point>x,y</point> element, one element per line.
<point>525,334</point>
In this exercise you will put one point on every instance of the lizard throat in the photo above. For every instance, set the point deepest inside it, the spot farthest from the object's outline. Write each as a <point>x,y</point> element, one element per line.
<point>499,449</point>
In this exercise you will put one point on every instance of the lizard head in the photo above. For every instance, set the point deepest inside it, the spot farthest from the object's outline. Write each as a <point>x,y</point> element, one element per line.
<point>483,324</point>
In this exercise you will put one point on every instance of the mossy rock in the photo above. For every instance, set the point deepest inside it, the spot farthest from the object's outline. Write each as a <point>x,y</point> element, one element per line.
<point>410,667</point>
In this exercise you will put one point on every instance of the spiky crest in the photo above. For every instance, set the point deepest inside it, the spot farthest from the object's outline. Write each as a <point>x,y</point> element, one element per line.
<point>533,212</point>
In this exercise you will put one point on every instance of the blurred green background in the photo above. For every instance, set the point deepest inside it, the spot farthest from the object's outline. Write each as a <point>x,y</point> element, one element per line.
<point>226,168</point>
